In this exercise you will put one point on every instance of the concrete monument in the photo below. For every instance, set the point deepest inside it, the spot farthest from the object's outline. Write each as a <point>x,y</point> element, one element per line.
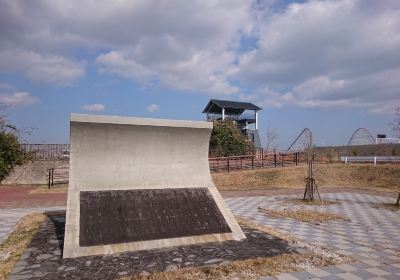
<point>140,184</point>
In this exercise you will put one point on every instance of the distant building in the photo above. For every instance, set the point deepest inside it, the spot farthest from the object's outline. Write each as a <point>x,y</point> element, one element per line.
<point>382,139</point>
<point>243,113</point>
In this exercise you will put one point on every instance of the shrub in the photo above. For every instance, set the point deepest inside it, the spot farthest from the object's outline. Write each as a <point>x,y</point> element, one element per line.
<point>11,152</point>
<point>226,139</point>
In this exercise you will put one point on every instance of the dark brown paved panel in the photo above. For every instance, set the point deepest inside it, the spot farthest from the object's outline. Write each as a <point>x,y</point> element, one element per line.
<point>119,216</point>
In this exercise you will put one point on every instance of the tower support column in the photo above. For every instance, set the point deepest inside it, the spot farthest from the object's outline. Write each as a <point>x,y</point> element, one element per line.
<point>256,119</point>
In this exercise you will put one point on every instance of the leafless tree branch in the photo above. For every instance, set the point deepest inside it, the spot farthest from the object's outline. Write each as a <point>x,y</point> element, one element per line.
<point>272,138</point>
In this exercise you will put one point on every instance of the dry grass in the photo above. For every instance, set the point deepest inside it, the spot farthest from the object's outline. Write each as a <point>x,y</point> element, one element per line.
<point>54,189</point>
<point>304,215</point>
<point>316,202</point>
<point>246,269</point>
<point>384,177</point>
<point>272,178</point>
<point>253,268</point>
<point>388,206</point>
<point>17,242</point>
<point>269,230</point>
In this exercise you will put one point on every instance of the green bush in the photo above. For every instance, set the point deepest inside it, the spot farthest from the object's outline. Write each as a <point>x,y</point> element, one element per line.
<point>11,153</point>
<point>226,139</point>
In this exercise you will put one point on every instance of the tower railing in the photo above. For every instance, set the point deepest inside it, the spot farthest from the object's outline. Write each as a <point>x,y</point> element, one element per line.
<point>250,117</point>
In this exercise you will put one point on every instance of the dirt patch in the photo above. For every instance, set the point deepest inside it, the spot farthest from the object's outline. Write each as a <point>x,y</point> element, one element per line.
<point>270,230</point>
<point>54,189</point>
<point>316,202</point>
<point>273,178</point>
<point>387,206</point>
<point>303,215</point>
<point>383,177</point>
<point>17,242</point>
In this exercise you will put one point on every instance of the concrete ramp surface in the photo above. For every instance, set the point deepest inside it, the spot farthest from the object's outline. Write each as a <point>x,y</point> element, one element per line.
<point>140,184</point>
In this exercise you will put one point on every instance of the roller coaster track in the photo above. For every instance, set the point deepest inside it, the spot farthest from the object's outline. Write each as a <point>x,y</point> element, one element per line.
<point>363,134</point>
<point>305,134</point>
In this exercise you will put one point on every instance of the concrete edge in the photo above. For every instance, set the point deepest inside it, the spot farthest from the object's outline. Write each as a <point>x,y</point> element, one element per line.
<point>72,252</point>
<point>103,119</point>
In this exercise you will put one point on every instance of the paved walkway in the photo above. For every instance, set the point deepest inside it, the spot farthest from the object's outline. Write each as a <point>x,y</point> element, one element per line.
<point>9,218</point>
<point>21,197</point>
<point>372,236</point>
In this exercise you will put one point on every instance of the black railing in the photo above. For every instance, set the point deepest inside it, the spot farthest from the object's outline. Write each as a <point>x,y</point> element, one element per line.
<point>57,176</point>
<point>260,159</point>
<point>215,117</point>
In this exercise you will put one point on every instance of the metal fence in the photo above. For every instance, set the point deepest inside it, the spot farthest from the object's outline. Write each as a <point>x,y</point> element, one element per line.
<point>47,151</point>
<point>261,159</point>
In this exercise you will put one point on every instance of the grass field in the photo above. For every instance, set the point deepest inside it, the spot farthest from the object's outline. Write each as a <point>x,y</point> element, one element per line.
<point>385,177</point>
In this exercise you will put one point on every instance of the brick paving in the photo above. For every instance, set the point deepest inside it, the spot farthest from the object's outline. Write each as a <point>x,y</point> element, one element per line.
<point>20,197</point>
<point>299,191</point>
<point>371,236</point>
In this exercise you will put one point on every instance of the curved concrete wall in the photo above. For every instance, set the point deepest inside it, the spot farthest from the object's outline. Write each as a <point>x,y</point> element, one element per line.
<point>139,155</point>
<point>122,153</point>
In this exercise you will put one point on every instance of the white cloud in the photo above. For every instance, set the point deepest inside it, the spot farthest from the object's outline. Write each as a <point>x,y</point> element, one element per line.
<point>17,99</point>
<point>153,108</point>
<point>196,73</point>
<point>316,54</point>
<point>327,54</point>
<point>114,63</point>
<point>94,107</point>
<point>42,68</point>
<point>376,93</point>
<point>6,86</point>
<point>189,47</point>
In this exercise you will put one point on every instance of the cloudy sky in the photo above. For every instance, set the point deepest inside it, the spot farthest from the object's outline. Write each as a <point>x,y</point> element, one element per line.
<point>332,66</point>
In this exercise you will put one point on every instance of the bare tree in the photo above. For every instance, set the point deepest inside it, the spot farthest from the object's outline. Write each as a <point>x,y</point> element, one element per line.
<point>5,125</point>
<point>272,137</point>
<point>396,122</point>
<point>396,129</point>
